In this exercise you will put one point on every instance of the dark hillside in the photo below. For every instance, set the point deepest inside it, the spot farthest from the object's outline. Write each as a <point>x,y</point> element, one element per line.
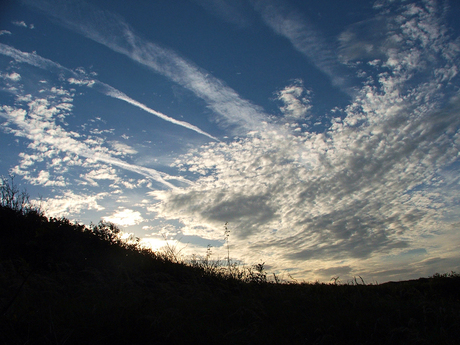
<point>62,283</point>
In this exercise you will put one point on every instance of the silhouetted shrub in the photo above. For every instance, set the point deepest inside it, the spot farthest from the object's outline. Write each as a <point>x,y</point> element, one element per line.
<point>65,283</point>
<point>12,197</point>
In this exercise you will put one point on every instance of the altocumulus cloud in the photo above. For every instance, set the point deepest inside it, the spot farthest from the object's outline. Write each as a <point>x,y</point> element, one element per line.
<point>38,117</point>
<point>379,182</point>
<point>54,151</point>
<point>70,204</point>
<point>296,100</point>
<point>371,184</point>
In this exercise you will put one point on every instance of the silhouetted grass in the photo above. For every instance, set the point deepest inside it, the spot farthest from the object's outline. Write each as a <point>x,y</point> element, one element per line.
<point>62,283</point>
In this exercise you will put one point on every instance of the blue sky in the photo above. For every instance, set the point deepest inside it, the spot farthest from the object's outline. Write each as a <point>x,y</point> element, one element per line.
<point>325,133</point>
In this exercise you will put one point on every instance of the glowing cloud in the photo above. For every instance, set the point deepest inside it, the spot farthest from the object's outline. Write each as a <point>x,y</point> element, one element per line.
<point>125,217</point>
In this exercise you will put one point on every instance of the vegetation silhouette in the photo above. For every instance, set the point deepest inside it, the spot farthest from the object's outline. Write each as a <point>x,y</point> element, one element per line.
<point>65,283</point>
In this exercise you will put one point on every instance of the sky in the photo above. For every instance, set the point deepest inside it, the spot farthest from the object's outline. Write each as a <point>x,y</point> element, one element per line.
<point>324,133</point>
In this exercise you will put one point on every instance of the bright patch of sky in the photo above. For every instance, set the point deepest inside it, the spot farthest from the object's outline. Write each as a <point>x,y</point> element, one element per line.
<point>325,133</point>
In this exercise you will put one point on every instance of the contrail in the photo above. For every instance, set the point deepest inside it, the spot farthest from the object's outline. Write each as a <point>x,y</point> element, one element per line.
<point>69,144</point>
<point>112,92</point>
<point>46,64</point>
<point>76,146</point>
<point>112,31</point>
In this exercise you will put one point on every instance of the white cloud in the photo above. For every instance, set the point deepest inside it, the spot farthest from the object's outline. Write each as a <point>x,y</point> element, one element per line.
<point>12,76</point>
<point>225,102</point>
<point>230,11</point>
<point>125,217</point>
<point>44,179</point>
<point>84,82</point>
<point>23,24</point>
<point>101,173</point>
<point>296,99</point>
<point>154,244</point>
<point>20,23</point>
<point>288,22</point>
<point>5,32</point>
<point>33,59</point>
<point>38,124</point>
<point>112,92</point>
<point>370,187</point>
<point>122,148</point>
<point>38,61</point>
<point>70,204</point>
<point>378,185</point>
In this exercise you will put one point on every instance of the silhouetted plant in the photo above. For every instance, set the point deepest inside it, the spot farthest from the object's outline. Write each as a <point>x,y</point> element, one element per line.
<point>170,252</point>
<point>106,231</point>
<point>451,274</point>
<point>335,280</point>
<point>90,287</point>
<point>12,197</point>
<point>208,253</point>
<point>356,282</point>
<point>226,236</point>
<point>256,274</point>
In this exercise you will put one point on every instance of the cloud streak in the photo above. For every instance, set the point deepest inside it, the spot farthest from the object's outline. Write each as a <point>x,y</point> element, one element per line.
<point>112,92</point>
<point>22,24</point>
<point>38,125</point>
<point>112,31</point>
<point>289,23</point>
<point>38,61</point>
<point>230,11</point>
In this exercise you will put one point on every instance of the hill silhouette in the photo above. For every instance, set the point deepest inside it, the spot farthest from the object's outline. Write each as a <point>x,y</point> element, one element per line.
<point>63,283</point>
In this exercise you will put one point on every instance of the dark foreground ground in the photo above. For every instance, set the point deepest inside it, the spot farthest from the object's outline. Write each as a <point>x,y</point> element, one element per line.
<point>67,284</point>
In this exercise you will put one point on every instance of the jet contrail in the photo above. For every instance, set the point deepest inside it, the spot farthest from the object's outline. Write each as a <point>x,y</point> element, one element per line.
<point>72,145</point>
<point>66,143</point>
<point>112,92</point>
<point>112,31</point>
<point>46,64</point>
